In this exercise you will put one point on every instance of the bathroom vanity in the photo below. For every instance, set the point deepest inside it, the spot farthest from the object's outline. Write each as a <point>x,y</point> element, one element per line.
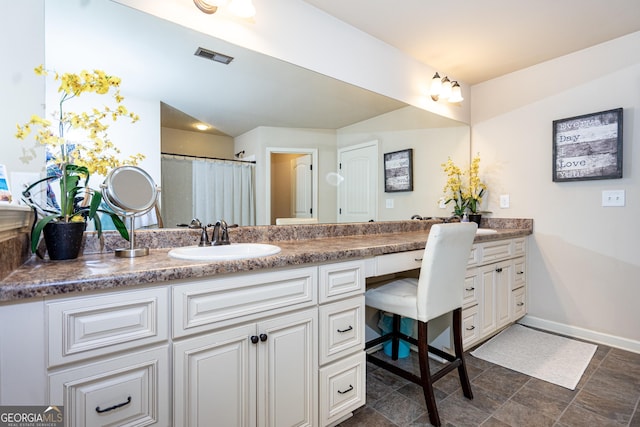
<point>271,341</point>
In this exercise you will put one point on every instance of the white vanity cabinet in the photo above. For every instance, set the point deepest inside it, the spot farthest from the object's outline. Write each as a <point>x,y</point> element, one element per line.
<point>495,288</point>
<point>108,358</point>
<point>341,341</point>
<point>245,351</point>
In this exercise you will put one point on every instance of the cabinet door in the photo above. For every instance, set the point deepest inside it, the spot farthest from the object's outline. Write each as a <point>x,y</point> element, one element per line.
<point>214,379</point>
<point>288,370</point>
<point>503,280</point>
<point>495,296</point>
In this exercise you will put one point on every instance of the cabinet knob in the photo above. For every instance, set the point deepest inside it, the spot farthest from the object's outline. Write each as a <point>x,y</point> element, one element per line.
<point>263,337</point>
<point>254,339</point>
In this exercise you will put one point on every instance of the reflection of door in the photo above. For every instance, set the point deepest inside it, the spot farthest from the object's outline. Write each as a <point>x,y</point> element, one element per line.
<point>301,183</point>
<point>358,192</point>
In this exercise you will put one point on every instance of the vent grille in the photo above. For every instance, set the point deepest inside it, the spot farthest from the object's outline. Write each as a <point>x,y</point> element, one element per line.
<point>213,56</point>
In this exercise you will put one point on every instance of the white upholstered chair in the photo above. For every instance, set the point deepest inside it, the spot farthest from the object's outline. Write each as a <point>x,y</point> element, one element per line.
<point>438,290</point>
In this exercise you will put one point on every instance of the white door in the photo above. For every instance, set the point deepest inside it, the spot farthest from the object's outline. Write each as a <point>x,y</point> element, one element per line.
<point>302,186</point>
<point>358,191</point>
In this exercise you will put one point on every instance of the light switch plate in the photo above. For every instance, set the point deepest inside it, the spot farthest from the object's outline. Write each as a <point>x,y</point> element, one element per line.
<point>613,198</point>
<point>504,201</point>
<point>389,203</point>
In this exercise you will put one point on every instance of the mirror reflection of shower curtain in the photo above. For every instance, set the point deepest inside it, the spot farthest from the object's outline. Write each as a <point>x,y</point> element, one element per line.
<point>207,189</point>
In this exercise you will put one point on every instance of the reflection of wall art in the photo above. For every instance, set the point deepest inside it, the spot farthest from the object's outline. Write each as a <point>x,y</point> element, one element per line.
<point>588,147</point>
<point>398,171</point>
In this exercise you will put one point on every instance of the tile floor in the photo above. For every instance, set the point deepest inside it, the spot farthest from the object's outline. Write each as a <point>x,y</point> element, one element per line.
<point>608,395</point>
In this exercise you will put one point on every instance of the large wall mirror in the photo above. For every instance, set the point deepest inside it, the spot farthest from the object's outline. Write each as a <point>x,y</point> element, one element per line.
<point>256,106</point>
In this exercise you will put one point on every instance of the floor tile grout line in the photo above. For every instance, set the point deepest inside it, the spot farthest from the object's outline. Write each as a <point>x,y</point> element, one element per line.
<point>581,388</point>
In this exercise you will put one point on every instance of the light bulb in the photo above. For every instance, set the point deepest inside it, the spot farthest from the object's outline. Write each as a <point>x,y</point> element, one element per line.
<point>456,93</point>
<point>445,92</point>
<point>436,86</point>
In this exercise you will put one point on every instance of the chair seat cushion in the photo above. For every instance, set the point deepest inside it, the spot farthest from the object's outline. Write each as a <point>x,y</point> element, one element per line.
<point>398,296</point>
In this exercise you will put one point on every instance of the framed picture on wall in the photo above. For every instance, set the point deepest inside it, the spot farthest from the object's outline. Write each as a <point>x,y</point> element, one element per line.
<point>588,147</point>
<point>398,171</point>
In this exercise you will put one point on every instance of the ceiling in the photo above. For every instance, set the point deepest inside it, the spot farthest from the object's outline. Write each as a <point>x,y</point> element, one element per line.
<point>474,41</point>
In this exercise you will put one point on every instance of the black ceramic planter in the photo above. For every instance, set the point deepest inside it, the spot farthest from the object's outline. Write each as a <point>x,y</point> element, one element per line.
<point>63,239</point>
<point>475,218</point>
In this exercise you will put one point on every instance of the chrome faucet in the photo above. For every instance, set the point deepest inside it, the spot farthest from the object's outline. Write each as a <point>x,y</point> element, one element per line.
<point>220,233</point>
<point>196,224</point>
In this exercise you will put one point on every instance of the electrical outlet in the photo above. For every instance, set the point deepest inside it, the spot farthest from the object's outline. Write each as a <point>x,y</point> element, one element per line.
<point>441,203</point>
<point>504,201</point>
<point>613,198</point>
<point>389,203</point>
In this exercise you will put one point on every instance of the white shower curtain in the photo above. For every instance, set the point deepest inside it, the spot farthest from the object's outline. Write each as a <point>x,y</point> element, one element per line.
<point>220,189</point>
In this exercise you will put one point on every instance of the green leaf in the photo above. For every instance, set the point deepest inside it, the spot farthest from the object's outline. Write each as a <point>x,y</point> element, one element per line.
<point>37,230</point>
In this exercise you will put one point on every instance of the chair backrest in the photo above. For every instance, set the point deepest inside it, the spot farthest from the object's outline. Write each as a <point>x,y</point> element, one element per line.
<point>444,266</point>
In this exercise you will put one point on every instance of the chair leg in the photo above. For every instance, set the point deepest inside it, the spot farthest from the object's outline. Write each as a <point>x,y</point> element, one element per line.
<point>395,342</point>
<point>457,345</point>
<point>427,385</point>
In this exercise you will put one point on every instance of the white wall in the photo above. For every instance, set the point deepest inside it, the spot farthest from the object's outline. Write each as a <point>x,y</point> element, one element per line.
<point>584,268</point>
<point>255,143</point>
<point>400,130</point>
<point>196,144</point>
<point>22,47</point>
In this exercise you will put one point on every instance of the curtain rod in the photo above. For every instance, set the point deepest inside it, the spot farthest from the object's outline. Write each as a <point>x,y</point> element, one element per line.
<point>208,158</point>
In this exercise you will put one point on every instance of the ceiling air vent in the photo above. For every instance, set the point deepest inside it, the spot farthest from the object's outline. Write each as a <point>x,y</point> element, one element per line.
<point>214,56</point>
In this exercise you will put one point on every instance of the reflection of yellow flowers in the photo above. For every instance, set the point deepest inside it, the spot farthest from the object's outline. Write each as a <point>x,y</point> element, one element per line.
<point>463,188</point>
<point>101,155</point>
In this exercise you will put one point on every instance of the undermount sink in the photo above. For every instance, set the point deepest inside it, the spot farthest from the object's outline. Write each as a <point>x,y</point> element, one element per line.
<point>486,231</point>
<point>230,252</point>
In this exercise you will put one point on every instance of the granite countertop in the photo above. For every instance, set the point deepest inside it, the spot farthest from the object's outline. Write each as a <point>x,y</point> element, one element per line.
<point>299,245</point>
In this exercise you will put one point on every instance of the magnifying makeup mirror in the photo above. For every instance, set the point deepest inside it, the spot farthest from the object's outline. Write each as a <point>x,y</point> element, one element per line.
<point>131,192</point>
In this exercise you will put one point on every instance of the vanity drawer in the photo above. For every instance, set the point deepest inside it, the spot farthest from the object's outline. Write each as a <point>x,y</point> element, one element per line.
<point>470,291</point>
<point>128,390</point>
<point>210,304</point>
<point>342,388</point>
<point>495,251</point>
<point>341,328</point>
<point>341,280</point>
<point>519,303</point>
<point>79,328</point>
<point>519,273</point>
<point>395,263</point>
<point>470,326</point>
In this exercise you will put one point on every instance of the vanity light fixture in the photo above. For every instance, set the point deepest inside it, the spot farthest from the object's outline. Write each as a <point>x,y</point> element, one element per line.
<point>201,126</point>
<point>239,8</point>
<point>445,89</point>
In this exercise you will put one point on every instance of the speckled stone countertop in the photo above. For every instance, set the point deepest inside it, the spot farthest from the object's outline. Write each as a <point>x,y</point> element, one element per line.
<point>99,269</point>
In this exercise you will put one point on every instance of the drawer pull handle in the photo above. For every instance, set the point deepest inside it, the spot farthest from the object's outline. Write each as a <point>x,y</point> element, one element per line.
<point>346,391</point>
<point>342,331</point>
<point>418,259</point>
<point>520,272</point>
<point>499,270</point>
<point>470,289</point>
<point>111,408</point>
<point>263,337</point>
<point>471,328</point>
<point>520,304</point>
<point>254,339</point>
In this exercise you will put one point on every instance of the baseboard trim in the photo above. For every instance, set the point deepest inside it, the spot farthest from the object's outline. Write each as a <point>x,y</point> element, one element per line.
<point>581,333</point>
